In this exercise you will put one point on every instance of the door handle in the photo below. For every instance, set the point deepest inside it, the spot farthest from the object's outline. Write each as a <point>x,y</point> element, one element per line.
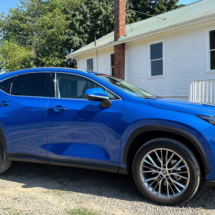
<point>57,108</point>
<point>4,104</point>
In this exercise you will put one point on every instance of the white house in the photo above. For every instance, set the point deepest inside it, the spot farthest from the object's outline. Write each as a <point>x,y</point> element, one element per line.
<point>162,54</point>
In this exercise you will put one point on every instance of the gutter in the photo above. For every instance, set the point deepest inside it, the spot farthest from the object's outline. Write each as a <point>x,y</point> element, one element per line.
<point>151,33</point>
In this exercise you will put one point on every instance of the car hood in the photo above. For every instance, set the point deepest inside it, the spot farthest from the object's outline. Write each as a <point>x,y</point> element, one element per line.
<point>183,106</point>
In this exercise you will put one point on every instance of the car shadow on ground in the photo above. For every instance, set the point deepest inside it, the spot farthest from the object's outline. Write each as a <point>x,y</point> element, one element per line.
<point>92,182</point>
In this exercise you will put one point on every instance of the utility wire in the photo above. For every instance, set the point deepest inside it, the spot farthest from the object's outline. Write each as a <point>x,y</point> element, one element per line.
<point>147,14</point>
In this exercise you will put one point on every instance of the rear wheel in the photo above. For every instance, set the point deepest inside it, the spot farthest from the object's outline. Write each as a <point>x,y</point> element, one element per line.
<point>4,162</point>
<point>166,171</point>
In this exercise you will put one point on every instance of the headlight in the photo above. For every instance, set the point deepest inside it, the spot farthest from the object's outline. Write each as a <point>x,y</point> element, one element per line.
<point>210,119</point>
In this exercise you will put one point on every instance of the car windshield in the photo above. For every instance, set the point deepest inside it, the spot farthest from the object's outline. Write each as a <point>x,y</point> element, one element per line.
<point>125,87</point>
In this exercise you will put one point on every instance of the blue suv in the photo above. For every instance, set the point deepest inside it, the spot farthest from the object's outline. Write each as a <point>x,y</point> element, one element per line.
<point>83,119</point>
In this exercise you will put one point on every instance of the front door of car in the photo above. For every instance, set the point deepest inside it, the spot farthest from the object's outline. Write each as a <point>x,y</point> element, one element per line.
<point>23,117</point>
<point>82,132</point>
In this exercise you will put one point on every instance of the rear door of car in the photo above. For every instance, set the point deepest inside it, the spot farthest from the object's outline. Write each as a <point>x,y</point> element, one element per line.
<point>23,108</point>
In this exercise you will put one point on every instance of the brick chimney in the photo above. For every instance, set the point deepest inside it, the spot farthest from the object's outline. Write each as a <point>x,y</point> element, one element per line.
<point>119,31</point>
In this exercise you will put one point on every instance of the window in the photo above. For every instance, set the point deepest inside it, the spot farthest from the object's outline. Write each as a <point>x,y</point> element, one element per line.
<point>6,85</point>
<point>90,64</point>
<point>112,64</point>
<point>74,86</point>
<point>30,85</point>
<point>156,59</point>
<point>125,87</point>
<point>212,50</point>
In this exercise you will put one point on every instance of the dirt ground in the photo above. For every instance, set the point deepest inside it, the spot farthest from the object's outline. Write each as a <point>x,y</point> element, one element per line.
<point>28,188</point>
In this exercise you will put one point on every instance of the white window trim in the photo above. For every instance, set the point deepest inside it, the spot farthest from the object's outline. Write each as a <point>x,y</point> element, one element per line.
<point>92,57</point>
<point>110,67</point>
<point>149,60</point>
<point>208,57</point>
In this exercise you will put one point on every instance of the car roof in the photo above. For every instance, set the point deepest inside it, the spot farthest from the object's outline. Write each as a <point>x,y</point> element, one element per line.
<point>90,74</point>
<point>45,69</point>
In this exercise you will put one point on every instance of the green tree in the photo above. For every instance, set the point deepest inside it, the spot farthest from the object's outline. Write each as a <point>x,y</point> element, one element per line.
<point>14,57</point>
<point>51,29</point>
<point>94,18</point>
<point>39,26</point>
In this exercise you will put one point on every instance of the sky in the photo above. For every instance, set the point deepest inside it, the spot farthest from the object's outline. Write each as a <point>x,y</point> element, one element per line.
<point>6,4</point>
<point>186,1</point>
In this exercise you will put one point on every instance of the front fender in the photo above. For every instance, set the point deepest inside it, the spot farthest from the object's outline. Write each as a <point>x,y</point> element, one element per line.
<point>191,134</point>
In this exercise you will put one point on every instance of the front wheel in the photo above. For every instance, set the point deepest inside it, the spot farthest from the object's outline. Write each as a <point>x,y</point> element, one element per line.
<point>166,171</point>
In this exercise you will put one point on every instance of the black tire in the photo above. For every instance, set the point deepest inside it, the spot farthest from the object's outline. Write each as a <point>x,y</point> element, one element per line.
<point>4,162</point>
<point>185,153</point>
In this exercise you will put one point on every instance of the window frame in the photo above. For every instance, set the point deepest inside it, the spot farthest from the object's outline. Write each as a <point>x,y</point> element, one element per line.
<point>89,58</point>
<point>118,97</point>
<point>9,85</point>
<point>208,51</point>
<point>17,75</point>
<point>48,82</point>
<point>149,59</point>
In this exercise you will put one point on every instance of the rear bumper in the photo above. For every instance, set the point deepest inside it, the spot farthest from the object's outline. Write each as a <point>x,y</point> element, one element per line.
<point>210,183</point>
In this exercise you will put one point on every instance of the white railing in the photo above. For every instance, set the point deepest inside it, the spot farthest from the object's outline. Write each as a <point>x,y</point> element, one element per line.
<point>202,91</point>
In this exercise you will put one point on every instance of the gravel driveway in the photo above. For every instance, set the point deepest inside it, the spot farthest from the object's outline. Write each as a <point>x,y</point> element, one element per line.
<point>42,189</point>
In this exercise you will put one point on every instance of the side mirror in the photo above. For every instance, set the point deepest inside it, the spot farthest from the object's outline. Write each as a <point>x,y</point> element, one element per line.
<point>98,94</point>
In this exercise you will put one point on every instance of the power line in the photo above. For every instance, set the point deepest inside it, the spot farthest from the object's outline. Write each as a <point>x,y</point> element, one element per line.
<point>147,14</point>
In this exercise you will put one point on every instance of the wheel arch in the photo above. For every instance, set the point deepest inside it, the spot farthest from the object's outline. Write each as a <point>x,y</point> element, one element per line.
<point>146,133</point>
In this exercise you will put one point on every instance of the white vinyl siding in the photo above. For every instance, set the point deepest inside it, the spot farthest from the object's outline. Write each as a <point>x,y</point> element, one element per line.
<point>185,60</point>
<point>82,60</point>
<point>104,62</point>
<point>101,63</point>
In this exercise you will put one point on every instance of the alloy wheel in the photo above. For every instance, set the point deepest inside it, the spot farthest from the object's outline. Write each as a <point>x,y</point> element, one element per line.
<point>164,173</point>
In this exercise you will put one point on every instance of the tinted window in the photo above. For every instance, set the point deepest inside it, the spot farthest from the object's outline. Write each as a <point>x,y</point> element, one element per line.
<point>5,85</point>
<point>74,86</point>
<point>30,85</point>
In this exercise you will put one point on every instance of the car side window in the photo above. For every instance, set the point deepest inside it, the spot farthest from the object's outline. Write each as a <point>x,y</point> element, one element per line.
<point>74,86</point>
<point>6,84</point>
<point>30,85</point>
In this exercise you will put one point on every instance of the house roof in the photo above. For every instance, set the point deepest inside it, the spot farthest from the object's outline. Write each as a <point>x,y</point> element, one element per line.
<point>197,11</point>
